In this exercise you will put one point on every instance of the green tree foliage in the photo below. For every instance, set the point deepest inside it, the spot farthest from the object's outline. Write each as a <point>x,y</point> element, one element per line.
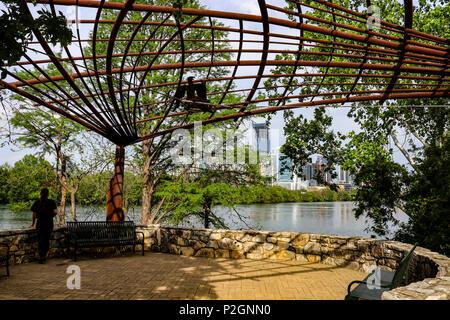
<point>26,179</point>
<point>419,183</point>
<point>44,130</point>
<point>275,194</point>
<point>4,180</point>
<point>428,201</point>
<point>17,26</point>
<point>153,154</point>
<point>93,189</point>
<point>74,151</point>
<point>418,186</point>
<point>197,191</point>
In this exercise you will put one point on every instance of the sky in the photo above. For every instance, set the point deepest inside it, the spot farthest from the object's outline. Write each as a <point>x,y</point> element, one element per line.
<point>340,123</point>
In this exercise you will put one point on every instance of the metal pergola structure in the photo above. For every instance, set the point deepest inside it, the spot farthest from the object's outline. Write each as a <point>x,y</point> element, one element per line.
<point>100,80</point>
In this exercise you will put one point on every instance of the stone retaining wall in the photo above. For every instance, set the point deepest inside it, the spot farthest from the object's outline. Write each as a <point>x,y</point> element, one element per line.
<point>429,272</point>
<point>23,244</point>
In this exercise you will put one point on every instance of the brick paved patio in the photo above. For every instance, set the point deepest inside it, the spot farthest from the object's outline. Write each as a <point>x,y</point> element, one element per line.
<point>166,276</point>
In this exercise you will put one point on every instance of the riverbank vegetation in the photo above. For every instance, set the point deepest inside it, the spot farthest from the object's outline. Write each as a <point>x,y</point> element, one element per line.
<point>277,194</point>
<point>20,184</point>
<point>77,166</point>
<point>400,154</point>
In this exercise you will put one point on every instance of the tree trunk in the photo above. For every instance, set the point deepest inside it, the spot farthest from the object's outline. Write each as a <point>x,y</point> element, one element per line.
<point>73,192</point>
<point>62,205</point>
<point>114,206</point>
<point>147,184</point>
<point>206,220</point>
<point>147,193</point>
<point>73,210</point>
<point>404,152</point>
<point>63,181</point>
<point>206,211</point>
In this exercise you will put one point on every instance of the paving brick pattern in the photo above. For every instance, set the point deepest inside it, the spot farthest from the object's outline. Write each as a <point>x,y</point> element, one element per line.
<point>165,276</point>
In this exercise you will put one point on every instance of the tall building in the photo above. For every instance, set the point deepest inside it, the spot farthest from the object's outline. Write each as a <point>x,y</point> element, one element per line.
<point>261,137</point>
<point>307,171</point>
<point>280,170</point>
<point>282,174</point>
<point>320,166</point>
<point>344,178</point>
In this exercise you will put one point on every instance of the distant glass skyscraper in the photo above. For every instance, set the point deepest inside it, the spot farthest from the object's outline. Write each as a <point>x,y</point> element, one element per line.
<point>261,131</point>
<point>307,171</point>
<point>284,171</point>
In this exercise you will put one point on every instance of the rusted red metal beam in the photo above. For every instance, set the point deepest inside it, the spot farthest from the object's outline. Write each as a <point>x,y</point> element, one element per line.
<point>299,105</point>
<point>351,65</point>
<point>426,92</point>
<point>340,45</point>
<point>238,51</point>
<point>401,51</point>
<point>246,17</point>
<point>385,23</point>
<point>293,76</point>
<point>211,13</point>
<point>264,54</point>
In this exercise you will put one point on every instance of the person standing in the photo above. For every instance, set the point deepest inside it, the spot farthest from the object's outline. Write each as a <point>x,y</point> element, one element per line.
<point>44,210</point>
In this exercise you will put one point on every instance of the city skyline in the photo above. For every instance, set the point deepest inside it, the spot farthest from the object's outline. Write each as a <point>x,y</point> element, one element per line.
<point>275,166</point>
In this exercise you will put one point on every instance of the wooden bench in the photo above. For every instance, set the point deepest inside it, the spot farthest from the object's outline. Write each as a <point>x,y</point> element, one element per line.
<point>379,280</point>
<point>5,258</point>
<point>92,234</point>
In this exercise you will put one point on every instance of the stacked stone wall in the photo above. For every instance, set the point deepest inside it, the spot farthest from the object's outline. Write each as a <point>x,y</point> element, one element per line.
<point>23,244</point>
<point>429,272</point>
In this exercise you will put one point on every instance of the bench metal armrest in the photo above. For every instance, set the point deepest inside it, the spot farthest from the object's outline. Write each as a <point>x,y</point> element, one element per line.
<point>364,282</point>
<point>384,257</point>
<point>352,283</point>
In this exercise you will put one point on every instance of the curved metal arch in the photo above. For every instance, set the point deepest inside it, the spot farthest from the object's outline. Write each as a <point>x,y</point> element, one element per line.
<point>408,16</point>
<point>115,30</point>
<point>300,49</point>
<point>262,65</point>
<point>393,52</point>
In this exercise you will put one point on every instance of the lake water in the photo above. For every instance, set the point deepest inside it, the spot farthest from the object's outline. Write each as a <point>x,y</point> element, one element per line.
<point>315,217</point>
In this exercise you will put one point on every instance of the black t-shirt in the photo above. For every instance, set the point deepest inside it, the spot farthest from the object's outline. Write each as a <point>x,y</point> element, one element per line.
<point>45,210</point>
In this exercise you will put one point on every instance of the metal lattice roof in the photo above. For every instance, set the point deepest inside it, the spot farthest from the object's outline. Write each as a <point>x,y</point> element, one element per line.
<point>325,54</point>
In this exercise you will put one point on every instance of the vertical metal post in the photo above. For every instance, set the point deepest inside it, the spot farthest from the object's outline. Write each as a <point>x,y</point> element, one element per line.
<point>114,211</point>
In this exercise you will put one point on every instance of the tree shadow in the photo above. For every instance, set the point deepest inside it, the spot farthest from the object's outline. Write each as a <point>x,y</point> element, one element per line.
<point>156,276</point>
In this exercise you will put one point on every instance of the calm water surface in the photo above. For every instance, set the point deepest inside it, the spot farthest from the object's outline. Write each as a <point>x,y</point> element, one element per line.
<point>317,217</point>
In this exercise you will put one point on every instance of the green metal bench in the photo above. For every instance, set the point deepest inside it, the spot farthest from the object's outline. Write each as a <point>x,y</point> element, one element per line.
<point>5,258</point>
<point>92,234</point>
<point>379,280</point>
